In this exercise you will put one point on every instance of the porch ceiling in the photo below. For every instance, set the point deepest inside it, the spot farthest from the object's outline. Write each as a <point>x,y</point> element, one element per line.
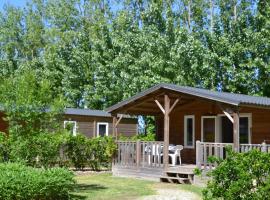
<point>146,105</point>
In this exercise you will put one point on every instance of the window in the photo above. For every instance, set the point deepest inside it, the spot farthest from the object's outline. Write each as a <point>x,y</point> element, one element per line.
<point>71,126</point>
<point>189,131</point>
<point>244,127</point>
<point>208,128</point>
<point>102,129</point>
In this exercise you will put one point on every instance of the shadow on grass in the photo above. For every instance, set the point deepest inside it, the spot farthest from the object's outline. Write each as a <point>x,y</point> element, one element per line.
<point>85,188</point>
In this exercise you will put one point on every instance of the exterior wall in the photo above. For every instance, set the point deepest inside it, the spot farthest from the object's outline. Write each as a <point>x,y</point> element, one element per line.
<point>260,125</point>
<point>127,127</point>
<point>87,125</point>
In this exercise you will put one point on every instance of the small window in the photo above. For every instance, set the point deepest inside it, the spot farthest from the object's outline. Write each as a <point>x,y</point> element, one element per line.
<point>102,129</point>
<point>189,131</point>
<point>244,130</point>
<point>71,126</point>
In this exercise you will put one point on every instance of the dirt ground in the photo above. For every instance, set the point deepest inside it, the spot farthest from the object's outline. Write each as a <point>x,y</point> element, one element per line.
<point>171,192</point>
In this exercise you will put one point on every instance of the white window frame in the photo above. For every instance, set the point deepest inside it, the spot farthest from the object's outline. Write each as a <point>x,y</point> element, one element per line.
<point>74,131</point>
<point>186,117</point>
<point>107,127</point>
<point>216,127</point>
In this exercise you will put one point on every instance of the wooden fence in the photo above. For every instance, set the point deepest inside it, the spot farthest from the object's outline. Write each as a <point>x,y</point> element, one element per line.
<point>204,150</point>
<point>137,154</point>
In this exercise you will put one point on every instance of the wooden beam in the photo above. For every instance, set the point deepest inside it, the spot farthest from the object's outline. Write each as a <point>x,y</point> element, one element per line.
<point>118,121</point>
<point>236,131</point>
<point>114,125</point>
<point>95,128</point>
<point>166,131</point>
<point>229,116</point>
<point>160,106</point>
<point>174,104</point>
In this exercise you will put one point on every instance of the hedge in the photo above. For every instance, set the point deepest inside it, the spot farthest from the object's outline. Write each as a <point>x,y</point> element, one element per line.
<point>50,150</point>
<point>20,182</point>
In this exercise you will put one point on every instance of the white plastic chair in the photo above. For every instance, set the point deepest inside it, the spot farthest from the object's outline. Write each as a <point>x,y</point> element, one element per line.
<point>177,153</point>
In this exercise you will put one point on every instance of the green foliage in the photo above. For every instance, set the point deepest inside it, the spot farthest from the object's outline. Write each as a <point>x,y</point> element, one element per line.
<point>197,171</point>
<point>4,149</point>
<point>150,125</point>
<point>240,176</point>
<point>41,150</point>
<point>142,137</point>
<point>76,149</point>
<point>23,183</point>
<point>96,53</point>
<point>29,105</point>
<point>92,152</point>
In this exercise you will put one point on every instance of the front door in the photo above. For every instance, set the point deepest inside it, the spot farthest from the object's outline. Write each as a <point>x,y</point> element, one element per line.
<point>226,130</point>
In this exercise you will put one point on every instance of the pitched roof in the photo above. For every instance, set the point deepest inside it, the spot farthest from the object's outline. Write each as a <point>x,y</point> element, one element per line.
<point>89,112</point>
<point>86,112</point>
<point>224,97</point>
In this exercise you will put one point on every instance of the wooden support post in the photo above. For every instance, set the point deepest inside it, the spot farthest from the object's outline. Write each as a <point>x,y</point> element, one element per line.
<point>95,128</point>
<point>198,154</point>
<point>114,126</point>
<point>166,131</point>
<point>138,154</point>
<point>236,131</point>
<point>166,110</point>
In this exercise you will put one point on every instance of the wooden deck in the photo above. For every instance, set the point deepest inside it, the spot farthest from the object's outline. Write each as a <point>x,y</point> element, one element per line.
<point>184,171</point>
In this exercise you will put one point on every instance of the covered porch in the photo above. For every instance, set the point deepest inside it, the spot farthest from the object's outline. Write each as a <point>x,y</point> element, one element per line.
<point>202,122</point>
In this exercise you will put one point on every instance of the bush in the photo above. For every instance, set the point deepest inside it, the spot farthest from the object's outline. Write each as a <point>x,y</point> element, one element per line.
<point>39,151</point>
<point>76,150</point>
<point>18,182</point>
<point>92,152</point>
<point>240,176</point>
<point>100,152</point>
<point>142,137</point>
<point>3,147</point>
<point>62,149</point>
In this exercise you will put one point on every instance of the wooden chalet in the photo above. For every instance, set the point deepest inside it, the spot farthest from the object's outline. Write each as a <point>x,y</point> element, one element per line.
<point>204,122</point>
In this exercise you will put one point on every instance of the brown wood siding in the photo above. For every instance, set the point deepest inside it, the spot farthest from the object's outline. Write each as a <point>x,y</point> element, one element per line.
<point>85,124</point>
<point>260,122</point>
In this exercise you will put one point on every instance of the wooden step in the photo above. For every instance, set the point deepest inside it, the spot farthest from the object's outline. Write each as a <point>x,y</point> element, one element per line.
<point>174,179</point>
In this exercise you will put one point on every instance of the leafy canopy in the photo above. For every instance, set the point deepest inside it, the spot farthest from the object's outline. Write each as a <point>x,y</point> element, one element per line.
<point>29,105</point>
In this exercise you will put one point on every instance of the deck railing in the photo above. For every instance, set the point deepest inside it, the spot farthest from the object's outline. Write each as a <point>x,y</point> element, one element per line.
<point>204,150</point>
<point>136,154</point>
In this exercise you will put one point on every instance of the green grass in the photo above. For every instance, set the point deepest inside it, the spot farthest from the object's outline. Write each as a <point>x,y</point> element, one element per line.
<point>107,187</point>
<point>192,188</point>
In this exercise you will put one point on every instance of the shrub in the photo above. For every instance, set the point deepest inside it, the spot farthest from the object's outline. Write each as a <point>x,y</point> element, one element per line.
<point>100,152</point>
<point>240,176</point>
<point>39,150</point>
<point>142,137</point>
<point>3,147</point>
<point>76,150</point>
<point>92,152</point>
<point>19,182</point>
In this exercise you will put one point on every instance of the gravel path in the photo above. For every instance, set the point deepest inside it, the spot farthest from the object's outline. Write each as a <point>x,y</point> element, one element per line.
<point>171,194</point>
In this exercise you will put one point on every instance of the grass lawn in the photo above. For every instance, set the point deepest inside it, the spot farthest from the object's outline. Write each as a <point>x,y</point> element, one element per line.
<point>104,186</point>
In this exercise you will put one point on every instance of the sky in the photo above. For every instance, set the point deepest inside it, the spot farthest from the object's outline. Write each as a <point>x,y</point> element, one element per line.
<point>20,3</point>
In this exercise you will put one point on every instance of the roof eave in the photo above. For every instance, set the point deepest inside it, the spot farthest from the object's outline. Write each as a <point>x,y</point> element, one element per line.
<point>165,86</point>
